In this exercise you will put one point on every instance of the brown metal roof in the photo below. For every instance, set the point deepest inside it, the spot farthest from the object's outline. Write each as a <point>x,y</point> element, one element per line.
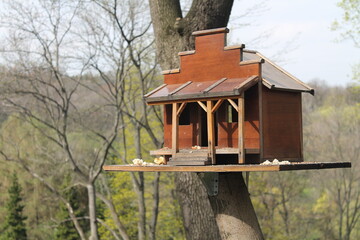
<point>200,90</point>
<point>274,77</point>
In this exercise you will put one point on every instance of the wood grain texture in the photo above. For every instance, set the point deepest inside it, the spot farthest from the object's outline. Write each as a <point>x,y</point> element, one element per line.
<point>241,129</point>
<point>175,129</point>
<point>211,62</point>
<point>282,130</point>
<point>211,131</point>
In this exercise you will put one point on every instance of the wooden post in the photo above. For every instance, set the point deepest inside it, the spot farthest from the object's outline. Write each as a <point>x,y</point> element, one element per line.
<point>211,131</point>
<point>241,118</point>
<point>175,129</point>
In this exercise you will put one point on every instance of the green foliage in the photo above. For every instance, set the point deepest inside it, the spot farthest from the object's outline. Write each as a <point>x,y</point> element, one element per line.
<point>349,24</point>
<point>124,199</point>
<point>14,226</point>
<point>77,198</point>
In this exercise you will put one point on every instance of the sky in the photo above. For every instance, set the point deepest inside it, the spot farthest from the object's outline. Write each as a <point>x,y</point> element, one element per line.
<point>297,35</point>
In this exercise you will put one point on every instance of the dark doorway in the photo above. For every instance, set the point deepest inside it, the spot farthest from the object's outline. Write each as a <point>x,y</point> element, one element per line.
<point>203,128</point>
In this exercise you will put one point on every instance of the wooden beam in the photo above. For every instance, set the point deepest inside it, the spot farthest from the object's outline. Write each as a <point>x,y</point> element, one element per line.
<point>210,31</point>
<point>175,129</point>
<point>233,104</point>
<point>179,88</point>
<point>165,72</point>
<point>211,131</point>
<point>251,81</point>
<point>202,106</point>
<point>155,90</point>
<point>241,118</point>
<point>214,85</point>
<point>255,61</point>
<point>181,108</point>
<point>186,53</point>
<point>241,46</point>
<point>217,105</point>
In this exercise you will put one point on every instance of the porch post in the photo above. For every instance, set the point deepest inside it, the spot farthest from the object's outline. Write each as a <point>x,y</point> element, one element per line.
<point>241,118</point>
<point>211,131</point>
<point>175,129</point>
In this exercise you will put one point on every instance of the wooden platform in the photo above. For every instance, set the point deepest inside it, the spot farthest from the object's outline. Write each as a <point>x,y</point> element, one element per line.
<point>167,151</point>
<point>230,168</point>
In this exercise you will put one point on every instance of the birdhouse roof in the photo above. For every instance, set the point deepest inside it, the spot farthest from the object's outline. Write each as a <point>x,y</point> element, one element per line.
<point>274,77</point>
<point>201,90</point>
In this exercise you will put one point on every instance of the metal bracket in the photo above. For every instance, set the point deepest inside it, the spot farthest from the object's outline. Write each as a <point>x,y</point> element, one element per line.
<point>211,182</point>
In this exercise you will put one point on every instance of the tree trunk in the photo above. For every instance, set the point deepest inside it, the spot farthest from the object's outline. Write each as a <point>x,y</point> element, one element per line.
<point>233,210</point>
<point>92,212</point>
<point>198,216</point>
<point>172,35</point>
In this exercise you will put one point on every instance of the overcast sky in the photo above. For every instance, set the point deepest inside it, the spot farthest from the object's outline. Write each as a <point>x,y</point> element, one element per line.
<point>298,37</point>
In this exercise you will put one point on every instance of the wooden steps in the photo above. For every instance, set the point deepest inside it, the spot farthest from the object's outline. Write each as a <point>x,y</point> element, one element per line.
<point>190,158</point>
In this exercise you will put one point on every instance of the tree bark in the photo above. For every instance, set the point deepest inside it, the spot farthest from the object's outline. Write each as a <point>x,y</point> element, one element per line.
<point>198,217</point>
<point>233,210</point>
<point>172,35</point>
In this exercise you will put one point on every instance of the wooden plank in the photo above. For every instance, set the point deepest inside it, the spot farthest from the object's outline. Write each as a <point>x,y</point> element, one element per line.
<point>251,81</point>
<point>165,72</point>
<point>233,104</point>
<point>181,108</point>
<point>214,85</point>
<point>248,62</point>
<point>168,151</point>
<point>230,168</point>
<point>184,53</point>
<point>210,31</point>
<point>179,88</point>
<point>240,46</point>
<point>202,106</point>
<point>155,90</point>
<point>281,113</point>
<point>211,132</point>
<point>175,129</point>
<point>217,105</point>
<point>261,121</point>
<point>267,84</point>
<point>241,137</point>
<point>314,165</point>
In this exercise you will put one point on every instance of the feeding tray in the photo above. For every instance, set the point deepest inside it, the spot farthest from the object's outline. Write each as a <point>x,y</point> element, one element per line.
<point>230,168</point>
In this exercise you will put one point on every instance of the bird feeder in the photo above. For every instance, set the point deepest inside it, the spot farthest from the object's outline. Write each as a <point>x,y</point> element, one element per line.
<point>229,109</point>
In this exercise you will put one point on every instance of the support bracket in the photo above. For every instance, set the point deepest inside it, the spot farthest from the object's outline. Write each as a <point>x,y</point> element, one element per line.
<point>211,182</point>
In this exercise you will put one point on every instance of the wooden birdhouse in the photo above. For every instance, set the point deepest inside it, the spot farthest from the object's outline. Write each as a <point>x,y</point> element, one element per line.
<point>228,105</point>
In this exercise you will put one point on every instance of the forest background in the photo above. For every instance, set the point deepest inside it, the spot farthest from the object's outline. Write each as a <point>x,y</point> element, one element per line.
<point>72,78</point>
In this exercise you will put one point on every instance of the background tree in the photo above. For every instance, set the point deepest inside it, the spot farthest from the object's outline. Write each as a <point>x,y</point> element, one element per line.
<point>77,93</point>
<point>349,26</point>
<point>14,226</point>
